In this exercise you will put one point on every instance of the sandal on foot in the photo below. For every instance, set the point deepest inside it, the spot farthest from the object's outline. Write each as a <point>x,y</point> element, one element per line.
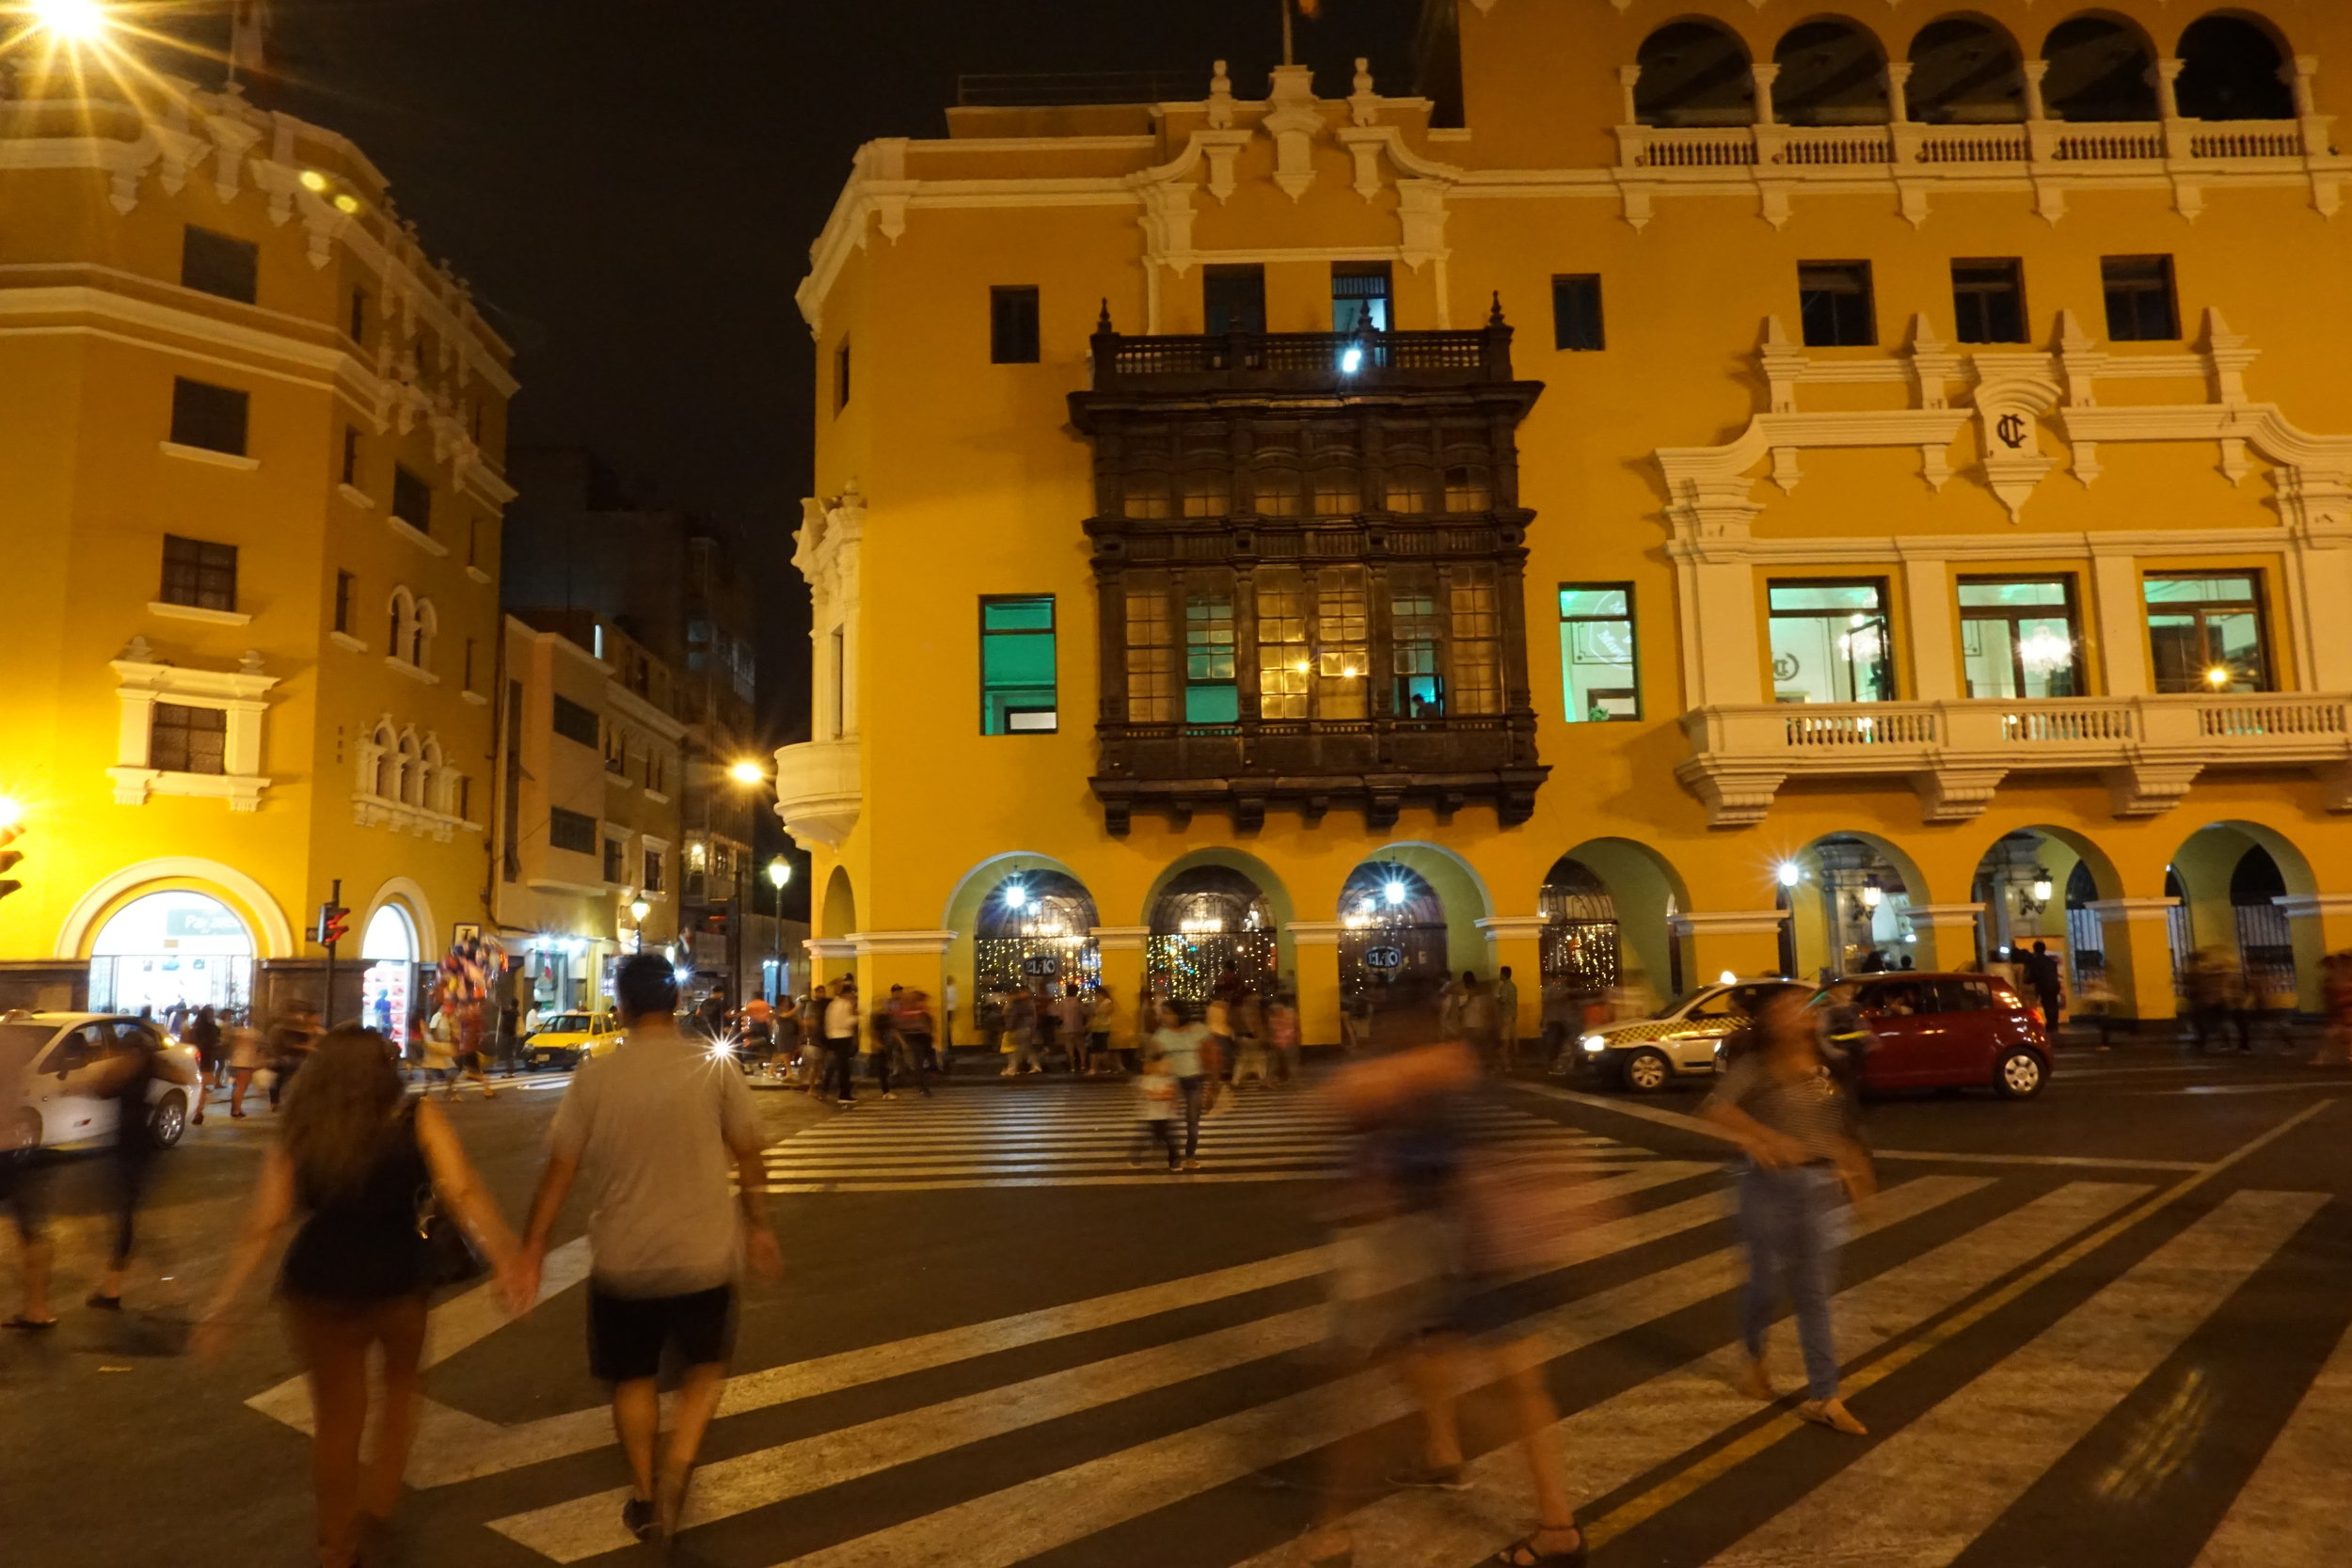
<point>30,1325</point>
<point>1834,1415</point>
<point>1524,1553</point>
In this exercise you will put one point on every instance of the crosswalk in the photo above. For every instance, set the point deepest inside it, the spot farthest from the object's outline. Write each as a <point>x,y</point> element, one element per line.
<point>1088,1136</point>
<point>2034,1347</point>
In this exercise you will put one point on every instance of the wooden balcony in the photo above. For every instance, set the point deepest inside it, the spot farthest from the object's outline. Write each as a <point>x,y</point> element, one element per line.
<point>2150,750</point>
<point>1376,764</point>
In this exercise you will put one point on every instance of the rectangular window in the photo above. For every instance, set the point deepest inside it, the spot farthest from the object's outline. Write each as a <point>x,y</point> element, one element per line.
<point>465,798</point>
<point>412,499</point>
<point>1284,666</point>
<point>1989,300</point>
<point>1474,614</point>
<point>1596,668</point>
<point>1830,643</point>
<point>1274,492</point>
<point>344,583</point>
<point>1417,690</point>
<point>2206,632</point>
<point>1150,655</point>
<point>837,645</point>
<point>1338,492</point>
<point>351,456</point>
<point>219,264</point>
<point>206,416</point>
<point>1576,324</point>
<point>841,375</point>
<point>1211,696</point>
<point>1834,299</point>
<point>468,666</point>
<point>1360,298</point>
<point>653,872</point>
<point>356,328</point>
<point>1343,643</point>
<point>615,857</point>
<point>1012,326</point>
<point>2017,637</point>
<point>576,721</point>
<point>1233,298</point>
<point>2143,306</point>
<point>571,829</point>
<point>200,573</point>
<point>184,739</point>
<point>1017,675</point>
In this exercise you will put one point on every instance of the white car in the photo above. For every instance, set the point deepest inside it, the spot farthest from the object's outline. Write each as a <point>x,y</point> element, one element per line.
<point>1679,1041</point>
<point>55,1112</point>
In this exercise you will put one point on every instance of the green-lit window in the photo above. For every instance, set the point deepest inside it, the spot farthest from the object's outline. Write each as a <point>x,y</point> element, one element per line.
<point>1017,665</point>
<point>1211,696</point>
<point>2018,640</point>
<point>2206,632</point>
<point>1597,679</point>
<point>1420,688</point>
<point>1830,642</point>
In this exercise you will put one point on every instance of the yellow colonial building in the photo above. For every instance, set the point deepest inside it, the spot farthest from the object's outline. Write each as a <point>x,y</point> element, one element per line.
<point>1721,486</point>
<point>249,490</point>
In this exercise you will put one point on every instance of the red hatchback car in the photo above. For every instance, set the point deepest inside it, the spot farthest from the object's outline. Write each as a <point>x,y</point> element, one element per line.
<point>1951,1031</point>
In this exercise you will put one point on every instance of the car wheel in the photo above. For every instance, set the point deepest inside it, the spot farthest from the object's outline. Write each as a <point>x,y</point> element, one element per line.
<point>2020,1076</point>
<point>1647,1072</point>
<point>169,1120</point>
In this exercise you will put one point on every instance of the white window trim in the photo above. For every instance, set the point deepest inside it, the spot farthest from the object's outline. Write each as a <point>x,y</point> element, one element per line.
<point>412,672</point>
<point>415,535</point>
<point>476,698</point>
<point>478,574</point>
<point>240,693</point>
<point>206,454</point>
<point>344,639</point>
<point>198,612</point>
<point>357,497</point>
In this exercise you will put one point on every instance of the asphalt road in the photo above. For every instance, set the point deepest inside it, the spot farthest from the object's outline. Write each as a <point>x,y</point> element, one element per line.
<point>2104,1326</point>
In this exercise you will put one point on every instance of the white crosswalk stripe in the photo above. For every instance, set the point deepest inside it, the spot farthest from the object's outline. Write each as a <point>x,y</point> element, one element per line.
<point>1090,1136</point>
<point>2057,1295</point>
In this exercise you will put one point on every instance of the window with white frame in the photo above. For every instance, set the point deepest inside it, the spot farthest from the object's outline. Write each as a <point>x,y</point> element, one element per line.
<point>411,625</point>
<point>188,732</point>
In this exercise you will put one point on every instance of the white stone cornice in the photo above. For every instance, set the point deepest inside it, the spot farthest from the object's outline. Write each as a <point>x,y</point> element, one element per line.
<point>2314,906</point>
<point>1316,933</point>
<point>1513,927</point>
<point>1119,939</point>
<point>2132,910</point>
<point>1728,923</point>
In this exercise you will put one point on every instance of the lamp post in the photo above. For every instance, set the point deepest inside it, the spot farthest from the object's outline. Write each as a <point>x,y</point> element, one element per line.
<point>779,873</point>
<point>638,909</point>
<point>750,775</point>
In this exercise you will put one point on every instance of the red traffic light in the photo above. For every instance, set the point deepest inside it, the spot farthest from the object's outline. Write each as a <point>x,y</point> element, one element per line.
<point>334,923</point>
<point>10,834</point>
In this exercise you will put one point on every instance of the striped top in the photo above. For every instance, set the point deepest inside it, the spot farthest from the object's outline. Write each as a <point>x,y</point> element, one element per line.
<point>1811,1109</point>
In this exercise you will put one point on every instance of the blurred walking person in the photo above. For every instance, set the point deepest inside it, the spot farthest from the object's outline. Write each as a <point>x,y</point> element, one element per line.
<point>668,1145</point>
<point>1155,1104</point>
<point>1185,1048</point>
<point>21,1181</point>
<point>204,1034</point>
<point>2335,998</point>
<point>1020,1025</point>
<point>1783,1104</point>
<point>244,1060</point>
<point>287,1047</point>
<point>1281,1024</point>
<point>127,1078</point>
<point>1102,1015</point>
<point>354,1155</point>
<point>1506,1008</point>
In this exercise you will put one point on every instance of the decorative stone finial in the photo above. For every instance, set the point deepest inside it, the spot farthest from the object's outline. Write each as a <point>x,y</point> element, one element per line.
<point>1494,316</point>
<point>1103,322</point>
<point>1363,75</point>
<point>250,661</point>
<point>137,651</point>
<point>1220,98</point>
<point>1363,105</point>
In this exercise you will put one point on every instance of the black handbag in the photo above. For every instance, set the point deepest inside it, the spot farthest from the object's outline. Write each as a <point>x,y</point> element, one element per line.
<point>449,1258</point>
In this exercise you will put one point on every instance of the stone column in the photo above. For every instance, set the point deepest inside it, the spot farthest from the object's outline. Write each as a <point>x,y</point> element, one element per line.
<point>1316,942</point>
<point>2036,73</point>
<point>1629,77</point>
<point>2167,85</point>
<point>1121,947</point>
<point>2322,923</point>
<point>1517,941</point>
<point>1764,76</point>
<point>1899,91</point>
<point>1743,943</point>
<point>2138,936</point>
<point>2123,615</point>
<point>1947,934</point>
<point>830,958</point>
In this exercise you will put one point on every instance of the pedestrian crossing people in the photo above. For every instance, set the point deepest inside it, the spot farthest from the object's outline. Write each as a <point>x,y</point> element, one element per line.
<point>1506,1009</point>
<point>1155,1104</point>
<point>1185,1045</point>
<point>841,1044</point>
<point>667,1142</point>
<point>1790,1117</point>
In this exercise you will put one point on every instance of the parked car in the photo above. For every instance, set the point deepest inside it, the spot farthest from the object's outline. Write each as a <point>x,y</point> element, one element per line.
<point>1951,1031</point>
<point>568,1040</point>
<point>1679,1041</point>
<point>56,1112</point>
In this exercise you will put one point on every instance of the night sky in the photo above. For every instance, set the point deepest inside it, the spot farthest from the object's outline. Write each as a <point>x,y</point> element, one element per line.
<point>632,190</point>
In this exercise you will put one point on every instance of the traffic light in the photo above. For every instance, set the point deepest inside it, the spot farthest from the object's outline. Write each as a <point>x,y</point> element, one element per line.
<point>10,834</point>
<point>334,923</point>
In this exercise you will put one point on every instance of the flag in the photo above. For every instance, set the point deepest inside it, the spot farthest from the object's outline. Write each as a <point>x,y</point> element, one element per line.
<point>249,39</point>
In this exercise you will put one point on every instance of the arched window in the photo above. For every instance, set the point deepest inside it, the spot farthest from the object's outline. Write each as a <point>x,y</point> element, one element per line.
<point>427,626</point>
<point>410,779</point>
<point>2231,69</point>
<point>1693,73</point>
<point>403,612</point>
<point>1965,71</point>
<point>432,782</point>
<point>1832,72</point>
<point>2102,70</point>
<point>379,772</point>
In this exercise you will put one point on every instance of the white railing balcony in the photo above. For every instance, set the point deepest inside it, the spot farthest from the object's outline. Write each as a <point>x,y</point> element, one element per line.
<point>820,790</point>
<point>1957,754</point>
<point>1831,152</point>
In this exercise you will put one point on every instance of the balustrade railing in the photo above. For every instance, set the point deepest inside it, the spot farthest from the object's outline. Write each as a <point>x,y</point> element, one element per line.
<point>1290,358</point>
<point>1913,145</point>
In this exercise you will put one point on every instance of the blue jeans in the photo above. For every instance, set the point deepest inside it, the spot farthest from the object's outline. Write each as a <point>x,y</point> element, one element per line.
<point>1191,1089</point>
<point>1791,1220</point>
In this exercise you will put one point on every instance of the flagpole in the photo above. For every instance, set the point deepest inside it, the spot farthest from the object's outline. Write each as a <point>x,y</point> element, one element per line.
<point>1286,31</point>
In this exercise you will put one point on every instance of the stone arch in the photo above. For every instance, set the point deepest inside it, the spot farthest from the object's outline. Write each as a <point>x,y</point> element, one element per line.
<point>1279,907</point>
<point>428,626</point>
<point>965,909</point>
<point>273,933</point>
<point>2234,66</point>
<point>2007,879</point>
<point>1846,893</point>
<point>839,916</point>
<point>1643,892</point>
<point>380,762</point>
<point>1966,70</point>
<point>431,781</point>
<point>1832,72</point>
<point>404,893</point>
<point>1695,72</point>
<point>2212,869</point>
<point>2102,70</point>
<point>408,776</point>
<point>402,606</point>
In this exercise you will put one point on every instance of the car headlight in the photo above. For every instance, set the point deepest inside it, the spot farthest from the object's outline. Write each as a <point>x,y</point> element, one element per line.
<point>1594,1042</point>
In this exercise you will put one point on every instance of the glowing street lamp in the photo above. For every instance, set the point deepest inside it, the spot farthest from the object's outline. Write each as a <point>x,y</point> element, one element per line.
<point>779,872</point>
<point>747,772</point>
<point>638,909</point>
<point>2218,677</point>
<point>74,21</point>
<point>1790,874</point>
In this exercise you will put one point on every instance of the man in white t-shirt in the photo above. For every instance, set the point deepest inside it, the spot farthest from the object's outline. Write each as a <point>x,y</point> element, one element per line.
<point>841,1044</point>
<point>664,1136</point>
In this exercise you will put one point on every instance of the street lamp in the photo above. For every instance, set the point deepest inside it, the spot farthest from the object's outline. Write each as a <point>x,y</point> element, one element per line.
<point>747,772</point>
<point>779,873</point>
<point>638,909</point>
<point>73,21</point>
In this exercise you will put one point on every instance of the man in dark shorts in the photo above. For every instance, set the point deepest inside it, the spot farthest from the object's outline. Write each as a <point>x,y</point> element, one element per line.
<point>20,1192</point>
<point>657,1129</point>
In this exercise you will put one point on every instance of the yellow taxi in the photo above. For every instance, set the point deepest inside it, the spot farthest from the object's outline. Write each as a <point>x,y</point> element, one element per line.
<point>568,1040</point>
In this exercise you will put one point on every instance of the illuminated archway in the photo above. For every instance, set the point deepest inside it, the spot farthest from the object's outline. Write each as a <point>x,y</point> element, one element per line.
<point>172,948</point>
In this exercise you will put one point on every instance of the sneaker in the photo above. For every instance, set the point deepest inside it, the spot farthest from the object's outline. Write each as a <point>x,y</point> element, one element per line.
<point>1192,1164</point>
<point>637,1517</point>
<point>1438,1478</point>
